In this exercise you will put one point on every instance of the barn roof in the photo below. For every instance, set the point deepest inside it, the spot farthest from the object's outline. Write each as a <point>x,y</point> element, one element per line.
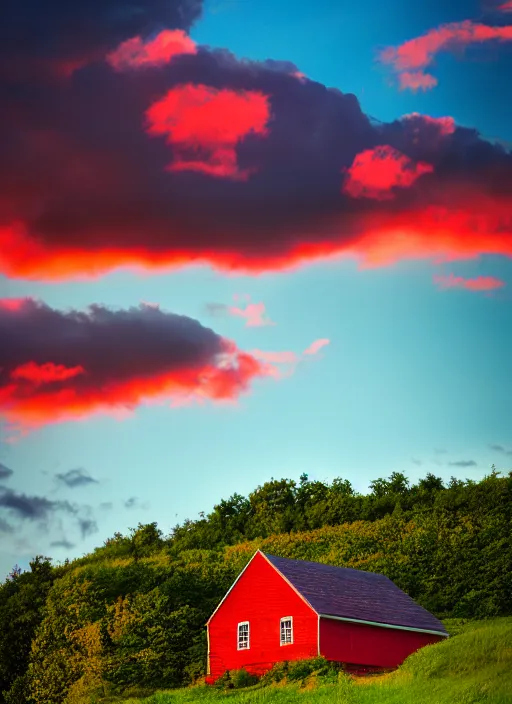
<point>354,594</point>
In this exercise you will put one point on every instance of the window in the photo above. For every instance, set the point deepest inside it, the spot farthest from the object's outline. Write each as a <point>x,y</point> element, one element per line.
<point>243,635</point>
<point>286,630</point>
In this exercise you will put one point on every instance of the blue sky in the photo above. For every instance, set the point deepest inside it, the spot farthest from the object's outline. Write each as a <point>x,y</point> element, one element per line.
<point>415,378</point>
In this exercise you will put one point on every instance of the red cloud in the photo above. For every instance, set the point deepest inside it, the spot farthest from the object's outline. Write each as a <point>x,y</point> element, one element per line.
<point>204,126</point>
<point>506,7</point>
<point>444,125</point>
<point>135,53</point>
<point>480,283</point>
<point>375,172</point>
<point>84,190</point>
<point>44,373</point>
<point>416,80</point>
<point>11,304</point>
<point>285,357</point>
<point>290,360</point>
<point>410,58</point>
<point>253,313</point>
<point>111,362</point>
<point>316,346</point>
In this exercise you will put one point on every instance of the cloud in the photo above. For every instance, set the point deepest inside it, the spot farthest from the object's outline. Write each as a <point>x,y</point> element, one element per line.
<point>253,313</point>
<point>480,283</point>
<point>5,472</point>
<point>31,507</point>
<point>416,462</point>
<point>463,463</point>
<point>76,477</point>
<point>62,544</point>
<point>442,126</point>
<point>44,373</point>
<point>500,448</point>
<point>56,38</point>
<point>285,363</point>
<point>87,526</point>
<point>134,502</point>
<point>316,346</point>
<point>6,527</point>
<point>376,172</point>
<point>47,514</point>
<point>126,358</point>
<point>193,120</point>
<point>506,6</point>
<point>134,53</point>
<point>413,56</point>
<point>140,168</point>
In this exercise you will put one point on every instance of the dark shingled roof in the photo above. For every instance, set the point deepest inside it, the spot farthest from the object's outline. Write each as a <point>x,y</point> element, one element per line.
<point>349,593</point>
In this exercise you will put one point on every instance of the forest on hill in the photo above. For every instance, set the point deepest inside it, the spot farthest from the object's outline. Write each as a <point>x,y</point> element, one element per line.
<point>133,612</point>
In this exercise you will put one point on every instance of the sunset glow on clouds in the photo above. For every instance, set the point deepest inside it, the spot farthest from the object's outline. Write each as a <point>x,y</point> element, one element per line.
<point>136,53</point>
<point>193,120</point>
<point>253,313</point>
<point>286,362</point>
<point>376,172</point>
<point>410,59</point>
<point>480,283</point>
<point>205,158</point>
<point>111,361</point>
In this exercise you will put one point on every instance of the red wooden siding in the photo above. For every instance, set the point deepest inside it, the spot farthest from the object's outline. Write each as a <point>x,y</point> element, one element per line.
<point>359,643</point>
<point>262,597</point>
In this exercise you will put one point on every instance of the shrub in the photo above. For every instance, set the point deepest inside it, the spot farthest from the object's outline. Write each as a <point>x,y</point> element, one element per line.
<point>235,679</point>
<point>300,670</point>
<point>242,678</point>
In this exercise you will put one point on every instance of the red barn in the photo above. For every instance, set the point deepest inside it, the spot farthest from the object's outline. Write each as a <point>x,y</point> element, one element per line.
<point>280,609</point>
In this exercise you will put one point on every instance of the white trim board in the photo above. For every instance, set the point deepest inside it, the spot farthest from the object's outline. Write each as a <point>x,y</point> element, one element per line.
<point>384,625</point>
<point>208,671</point>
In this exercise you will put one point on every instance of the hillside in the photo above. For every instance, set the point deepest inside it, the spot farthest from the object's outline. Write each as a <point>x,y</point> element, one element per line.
<point>132,613</point>
<point>473,667</point>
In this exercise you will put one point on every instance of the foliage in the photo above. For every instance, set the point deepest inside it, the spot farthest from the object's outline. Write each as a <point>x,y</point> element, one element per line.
<point>235,679</point>
<point>132,613</point>
<point>301,670</point>
<point>474,667</point>
<point>22,598</point>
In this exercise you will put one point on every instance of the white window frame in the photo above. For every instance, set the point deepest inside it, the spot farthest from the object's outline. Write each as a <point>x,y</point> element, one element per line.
<point>282,630</point>
<point>240,642</point>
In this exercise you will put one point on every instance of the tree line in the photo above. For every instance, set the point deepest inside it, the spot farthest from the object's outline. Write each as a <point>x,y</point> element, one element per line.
<point>133,612</point>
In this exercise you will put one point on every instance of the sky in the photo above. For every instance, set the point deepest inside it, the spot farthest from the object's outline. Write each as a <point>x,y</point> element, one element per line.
<point>246,240</point>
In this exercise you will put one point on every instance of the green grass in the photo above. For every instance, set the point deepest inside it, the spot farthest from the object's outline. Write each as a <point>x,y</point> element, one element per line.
<point>474,666</point>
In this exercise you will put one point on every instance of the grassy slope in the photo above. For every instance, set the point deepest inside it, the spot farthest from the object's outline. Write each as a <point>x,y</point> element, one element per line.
<point>474,666</point>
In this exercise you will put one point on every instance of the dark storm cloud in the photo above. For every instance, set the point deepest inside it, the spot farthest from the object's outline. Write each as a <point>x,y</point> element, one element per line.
<point>65,365</point>
<point>35,31</point>
<point>76,477</point>
<point>97,173</point>
<point>463,463</point>
<point>31,507</point>
<point>5,472</point>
